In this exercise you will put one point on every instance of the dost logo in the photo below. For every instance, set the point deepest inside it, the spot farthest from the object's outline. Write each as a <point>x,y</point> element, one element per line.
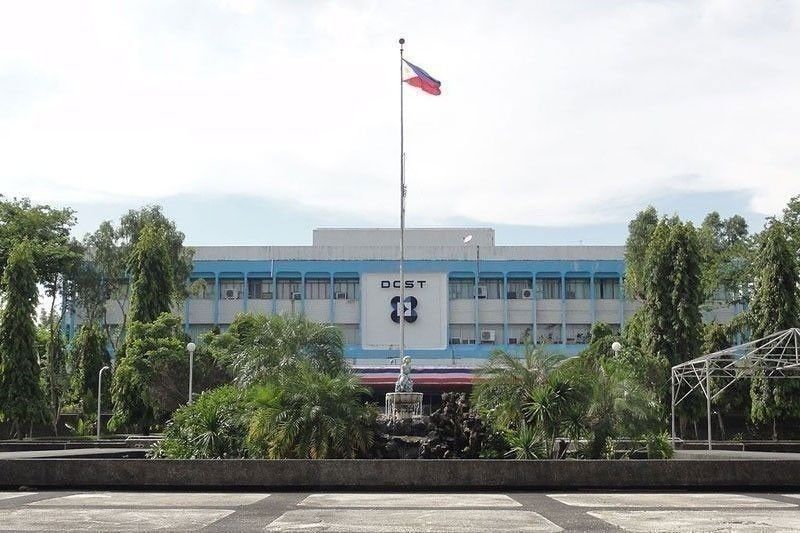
<point>410,309</point>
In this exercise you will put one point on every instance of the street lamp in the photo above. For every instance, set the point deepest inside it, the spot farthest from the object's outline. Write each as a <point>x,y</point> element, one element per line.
<point>99,394</point>
<point>190,348</point>
<point>616,346</point>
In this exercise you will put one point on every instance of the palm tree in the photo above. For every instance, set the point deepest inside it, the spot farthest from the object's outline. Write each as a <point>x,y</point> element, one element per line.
<point>617,405</point>
<point>281,341</point>
<point>504,383</point>
<point>310,414</point>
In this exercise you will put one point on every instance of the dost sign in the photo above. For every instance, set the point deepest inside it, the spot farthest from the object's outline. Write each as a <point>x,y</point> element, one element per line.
<point>409,284</point>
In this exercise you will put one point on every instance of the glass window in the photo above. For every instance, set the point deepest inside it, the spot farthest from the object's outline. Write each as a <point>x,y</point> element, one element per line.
<point>492,289</point>
<point>548,289</point>
<point>230,289</point>
<point>517,287</point>
<point>607,289</point>
<point>578,333</point>
<point>350,333</point>
<point>519,333</point>
<point>202,289</point>
<point>347,288</point>
<point>577,289</point>
<point>461,289</point>
<point>286,287</point>
<point>259,289</point>
<point>462,334</point>
<point>318,289</point>
<point>548,333</point>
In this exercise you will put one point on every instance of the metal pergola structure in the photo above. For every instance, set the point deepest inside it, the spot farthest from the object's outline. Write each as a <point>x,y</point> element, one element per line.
<point>775,356</point>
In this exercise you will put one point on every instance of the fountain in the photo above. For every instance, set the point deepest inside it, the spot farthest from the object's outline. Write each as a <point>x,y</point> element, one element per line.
<point>403,403</point>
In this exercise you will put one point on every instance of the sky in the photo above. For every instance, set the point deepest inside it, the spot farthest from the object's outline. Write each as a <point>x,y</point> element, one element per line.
<point>254,122</point>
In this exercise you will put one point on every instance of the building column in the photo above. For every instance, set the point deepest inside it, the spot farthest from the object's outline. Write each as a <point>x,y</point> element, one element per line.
<point>621,305</point>
<point>477,312</point>
<point>534,333</point>
<point>245,293</point>
<point>216,299</point>
<point>592,297</point>
<point>563,308</point>
<point>274,292</point>
<point>505,308</point>
<point>331,294</point>
<point>302,293</point>
<point>186,315</point>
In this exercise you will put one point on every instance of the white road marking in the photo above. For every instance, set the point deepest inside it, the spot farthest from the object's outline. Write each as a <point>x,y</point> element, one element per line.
<point>411,521</point>
<point>85,519</point>
<point>152,499</point>
<point>9,495</point>
<point>672,499</point>
<point>736,520</point>
<point>415,500</point>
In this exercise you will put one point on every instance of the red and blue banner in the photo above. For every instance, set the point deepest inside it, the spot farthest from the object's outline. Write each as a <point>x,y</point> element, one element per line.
<point>416,77</point>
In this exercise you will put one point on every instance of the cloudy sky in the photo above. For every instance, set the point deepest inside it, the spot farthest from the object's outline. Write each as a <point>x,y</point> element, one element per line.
<point>253,122</point>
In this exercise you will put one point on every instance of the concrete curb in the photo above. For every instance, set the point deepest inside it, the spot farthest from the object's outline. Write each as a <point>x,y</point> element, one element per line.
<point>399,474</point>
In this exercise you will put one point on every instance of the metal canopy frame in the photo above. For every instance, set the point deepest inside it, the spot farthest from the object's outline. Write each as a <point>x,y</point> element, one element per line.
<point>776,356</point>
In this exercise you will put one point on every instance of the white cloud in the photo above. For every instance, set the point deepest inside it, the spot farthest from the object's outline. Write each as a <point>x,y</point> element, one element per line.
<point>552,114</point>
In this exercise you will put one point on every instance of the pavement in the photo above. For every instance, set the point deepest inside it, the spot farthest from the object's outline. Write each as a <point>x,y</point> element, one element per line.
<point>397,512</point>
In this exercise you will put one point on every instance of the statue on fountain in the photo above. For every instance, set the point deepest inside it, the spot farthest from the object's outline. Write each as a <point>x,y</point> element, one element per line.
<point>404,383</point>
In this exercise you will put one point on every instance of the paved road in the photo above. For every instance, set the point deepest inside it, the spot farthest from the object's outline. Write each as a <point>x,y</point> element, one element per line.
<point>398,512</point>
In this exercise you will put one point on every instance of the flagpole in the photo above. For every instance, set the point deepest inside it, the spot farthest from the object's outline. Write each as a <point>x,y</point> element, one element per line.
<point>402,306</point>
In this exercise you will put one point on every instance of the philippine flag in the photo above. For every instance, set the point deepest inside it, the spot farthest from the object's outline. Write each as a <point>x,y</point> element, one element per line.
<point>416,77</point>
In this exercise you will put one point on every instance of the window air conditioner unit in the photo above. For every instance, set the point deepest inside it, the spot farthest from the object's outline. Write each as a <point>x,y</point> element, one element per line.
<point>341,296</point>
<point>511,295</point>
<point>481,291</point>
<point>230,294</point>
<point>527,294</point>
<point>455,340</point>
<point>512,340</point>
<point>487,335</point>
<point>297,296</point>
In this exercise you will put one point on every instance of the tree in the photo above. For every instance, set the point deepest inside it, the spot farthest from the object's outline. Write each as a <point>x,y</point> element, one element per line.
<point>21,398</point>
<point>52,355</point>
<point>776,307</point>
<point>105,275</point>
<point>310,414</point>
<point>150,379</point>
<point>89,355</point>
<point>279,341</point>
<point>686,292</point>
<point>151,276</point>
<point>640,232</point>
<point>659,313</point>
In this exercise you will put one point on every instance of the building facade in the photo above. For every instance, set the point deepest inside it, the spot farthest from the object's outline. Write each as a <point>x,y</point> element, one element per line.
<point>462,299</point>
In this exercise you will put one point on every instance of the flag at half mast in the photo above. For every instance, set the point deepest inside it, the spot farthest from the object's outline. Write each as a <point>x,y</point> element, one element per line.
<point>416,77</point>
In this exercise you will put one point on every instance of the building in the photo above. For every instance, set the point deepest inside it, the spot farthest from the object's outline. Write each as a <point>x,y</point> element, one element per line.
<point>348,277</point>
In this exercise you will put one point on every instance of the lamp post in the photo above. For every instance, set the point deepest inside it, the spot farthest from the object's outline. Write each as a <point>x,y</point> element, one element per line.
<point>190,348</point>
<point>99,394</point>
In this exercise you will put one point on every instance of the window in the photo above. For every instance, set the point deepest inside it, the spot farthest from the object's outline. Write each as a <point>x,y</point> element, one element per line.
<point>607,289</point>
<point>491,334</point>
<point>577,289</point>
<point>548,289</point>
<point>462,334</point>
<point>493,288</point>
<point>286,287</point>
<point>230,289</point>
<point>517,286</point>
<point>548,333</point>
<point>318,289</point>
<point>520,333</point>
<point>202,289</point>
<point>461,289</point>
<point>578,333</point>
<point>348,287</point>
<point>259,289</point>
